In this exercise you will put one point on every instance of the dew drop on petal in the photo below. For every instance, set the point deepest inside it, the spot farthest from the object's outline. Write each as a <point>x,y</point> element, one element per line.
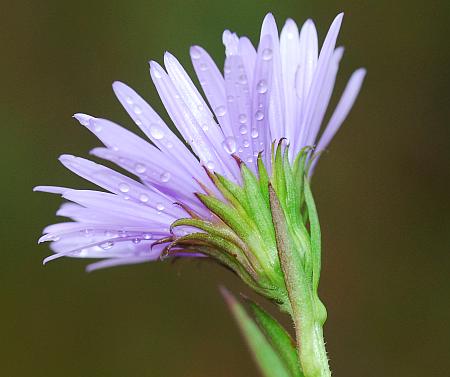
<point>196,53</point>
<point>243,130</point>
<point>144,198</point>
<point>261,87</point>
<point>97,127</point>
<point>169,145</point>
<point>140,168</point>
<point>136,240</point>
<point>107,245</point>
<point>165,177</point>
<point>123,187</point>
<point>220,111</point>
<point>242,79</point>
<point>147,236</point>
<point>157,74</point>
<point>129,100</point>
<point>242,118</point>
<point>254,134</point>
<point>229,144</point>
<point>210,165</point>
<point>137,110</point>
<point>156,131</point>
<point>246,143</point>
<point>203,67</point>
<point>259,115</point>
<point>267,54</point>
<point>160,207</point>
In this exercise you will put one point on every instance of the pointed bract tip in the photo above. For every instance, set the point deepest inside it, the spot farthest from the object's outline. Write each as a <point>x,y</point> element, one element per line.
<point>226,294</point>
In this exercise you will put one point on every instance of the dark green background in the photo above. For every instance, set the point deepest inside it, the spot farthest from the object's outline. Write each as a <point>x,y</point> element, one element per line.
<point>382,193</point>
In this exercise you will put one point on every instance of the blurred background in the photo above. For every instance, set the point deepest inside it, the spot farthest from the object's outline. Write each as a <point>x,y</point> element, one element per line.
<point>382,192</point>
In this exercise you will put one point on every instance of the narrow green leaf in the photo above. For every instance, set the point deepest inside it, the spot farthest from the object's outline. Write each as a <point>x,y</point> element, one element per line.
<point>278,337</point>
<point>268,360</point>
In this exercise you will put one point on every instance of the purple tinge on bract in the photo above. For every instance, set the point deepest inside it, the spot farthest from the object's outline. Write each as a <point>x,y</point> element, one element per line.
<point>281,90</point>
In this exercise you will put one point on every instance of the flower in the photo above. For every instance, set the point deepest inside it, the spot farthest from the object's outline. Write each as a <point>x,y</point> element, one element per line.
<point>182,202</point>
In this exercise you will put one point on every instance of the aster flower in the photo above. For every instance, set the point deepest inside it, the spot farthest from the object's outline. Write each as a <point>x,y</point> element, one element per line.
<point>239,192</point>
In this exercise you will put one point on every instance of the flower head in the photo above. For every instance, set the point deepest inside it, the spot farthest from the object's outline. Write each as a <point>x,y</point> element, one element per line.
<point>250,141</point>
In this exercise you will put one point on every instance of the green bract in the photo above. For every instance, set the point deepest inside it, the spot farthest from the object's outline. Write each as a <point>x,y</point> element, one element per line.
<point>267,231</point>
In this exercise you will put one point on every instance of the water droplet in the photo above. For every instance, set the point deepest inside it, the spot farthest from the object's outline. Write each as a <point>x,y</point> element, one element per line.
<point>261,87</point>
<point>147,236</point>
<point>210,165</point>
<point>138,122</point>
<point>157,74</point>
<point>230,98</point>
<point>203,67</point>
<point>129,100</point>
<point>240,150</point>
<point>229,144</point>
<point>123,187</point>
<point>205,127</point>
<point>196,53</point>
<point>249,159</point>
<point>107,245</point>
<point>160,207</point>
<point>243,130</point>
<point>242,79</point>
<point>245,143</point>
<point>165,177</point>
<point>97,127</point>
<point>137,110</point>
<point>169,145</point>
<point>140,168</point>
<point>136,241</point>
<point>227,69</point>
<point>254,134</point>
<point>143,198</point>
<point>220,111</point>
<point>259,115</point>
<point>156,131</point>
<point>267,54</point>
<point>242,118</point>
<point>83,253</point>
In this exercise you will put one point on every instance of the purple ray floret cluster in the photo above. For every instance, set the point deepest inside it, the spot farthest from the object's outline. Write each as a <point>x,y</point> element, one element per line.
<point>279,90</point>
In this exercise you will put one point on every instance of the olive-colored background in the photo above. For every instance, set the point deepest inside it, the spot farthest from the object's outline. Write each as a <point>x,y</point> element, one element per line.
<point>382,192</point>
